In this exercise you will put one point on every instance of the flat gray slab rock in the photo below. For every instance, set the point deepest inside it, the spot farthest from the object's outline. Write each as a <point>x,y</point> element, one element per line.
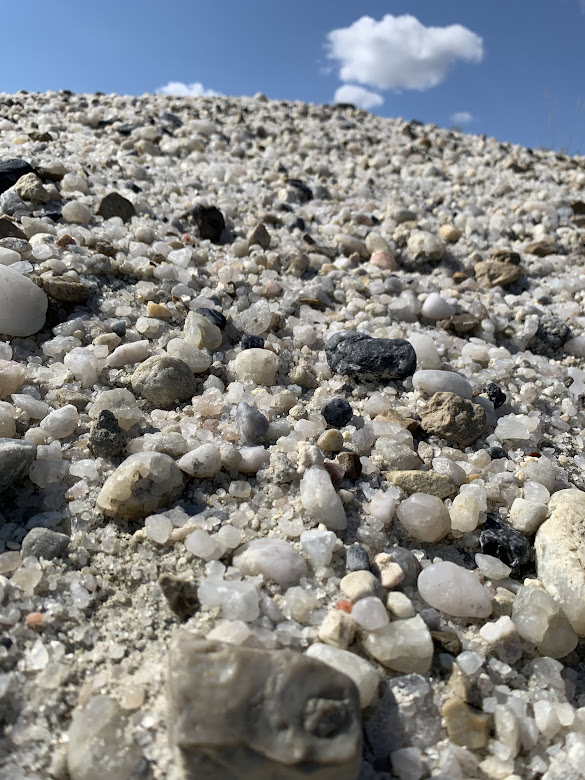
<point>240,713</point>
<point>16,458</point>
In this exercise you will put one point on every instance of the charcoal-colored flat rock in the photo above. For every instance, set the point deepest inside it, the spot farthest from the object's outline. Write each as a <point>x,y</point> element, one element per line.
<point>209,221</point>
<point>11,170</point>
<point>360,355</point>
<point>16,458</point>
<point>116,205</point>
<point>44,543</point>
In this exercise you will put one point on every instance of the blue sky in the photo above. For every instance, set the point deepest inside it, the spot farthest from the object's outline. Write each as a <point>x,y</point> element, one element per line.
<point>514,70</point>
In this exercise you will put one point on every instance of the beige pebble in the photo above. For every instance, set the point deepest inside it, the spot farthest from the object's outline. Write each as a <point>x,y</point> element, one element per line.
<point>359,584</point>
<point>330,441</point>
<point>391,574</point>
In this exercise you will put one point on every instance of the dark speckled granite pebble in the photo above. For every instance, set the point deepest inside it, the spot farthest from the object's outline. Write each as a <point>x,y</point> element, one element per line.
<point>357,558</point>
<point>337,412</point>
<point>252,342</point>
<point>496,396</point>
<point>360,355</point>
<point>502,541</point>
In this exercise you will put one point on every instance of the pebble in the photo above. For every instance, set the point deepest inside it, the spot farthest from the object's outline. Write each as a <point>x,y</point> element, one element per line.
<point>500,540</point>
<point>260,236</point>
<point>135,352</point>
<point>164,381</point>
<point>115,205</point>
<point>318,546</point>
<point>66,290</point>
<point>76,213</point>
<point>23,305</point>
<point>140,486</point>
<point>320,501</point>
<point>12,375</point>
<point>464,513</point>
<point>539,619</point>
<point>44,543</point>
<point>252,425</point>
<point>370,613</point>
<point>427,356</point>
<point>365,677</point>
<point>360,585</point>
<point>8,256</point>
<point>402,645</point>
<point>400,605</point>
<point>274,558</point>
<point>436,308</point>
<point>331,440</point>
<point>454,590</point>
<point>360,355</point>
<point>527,516</point>
<point>495,273</point>
<point>256,365</point>
<point>197,360</point>
<point>255,320</point>
<point>337,412</point>
<point>214,316</point>
<point>181,595</point>
<point>454,418</point>
<point>357,558</point>
<point>106,438</point>
<point>201,332</point>
<point>60,423</point>
<point>424,517</point>
<point>203,462</point>
<point>30,187</point>
<point>210,222</point>
<point>492,568</point>
<point>431,381</point>
<point>424,246</point>
<point>251,342</point>
<point>11,170</point>
<point>412,481</point>
<point>466,726</point>
<point>495,394</point>
<point>337,629</point>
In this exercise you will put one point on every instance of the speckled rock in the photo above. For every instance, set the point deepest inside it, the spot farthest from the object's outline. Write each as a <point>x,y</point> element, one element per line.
<point>358,354</point>
<point>164,381</point>
<point>454,418</point>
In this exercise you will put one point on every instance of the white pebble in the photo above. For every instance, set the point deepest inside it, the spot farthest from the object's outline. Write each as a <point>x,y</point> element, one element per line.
<point>318,546</point>
<point>454,590</point>
<point>61,423</point>
<point>436,308</point>
<point>432,381</point>
<point>320,500</point>
<point>370,614</point>
<point>424,517</point>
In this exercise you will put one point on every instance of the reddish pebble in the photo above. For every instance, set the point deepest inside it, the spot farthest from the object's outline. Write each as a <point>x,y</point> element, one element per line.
<point>64,241</point>
<point>344,605</point>
<point>34,620</point>
<point>383,260</point>
<point>187,238</point>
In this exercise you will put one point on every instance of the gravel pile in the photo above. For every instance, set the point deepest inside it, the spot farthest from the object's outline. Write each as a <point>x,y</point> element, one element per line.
<point>291,445</point>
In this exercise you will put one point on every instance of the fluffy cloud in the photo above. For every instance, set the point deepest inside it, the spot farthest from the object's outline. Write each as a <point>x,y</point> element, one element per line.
<point>360,97</point>
<point>462,118</point>
<point>180,89</point>
<point>399,52</point>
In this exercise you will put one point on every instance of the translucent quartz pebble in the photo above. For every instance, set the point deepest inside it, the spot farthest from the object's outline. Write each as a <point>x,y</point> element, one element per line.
<point>203,462</point>
<point>426,351</point>
<point>464,513</point>
<point>255,320</point>
<point>238,600</point>
<point>61,423</point>
<point>256,365</point>
<point>12,375</point>
<point>318,546</point>
<point>370,614</point>
<point>430,381</point>
<point>197,360</point>
<point>356,668</point>
<point>319,499</point>
<point>83,364</point>
<point>424,517</point>
<point>403,645</point>
<point>539,619</point>
<point>492,568</point>
<point>454,590</point>
<point>436,308</point>
<point>275,559</point>
<point>158,528</point>
<point>23,304</point>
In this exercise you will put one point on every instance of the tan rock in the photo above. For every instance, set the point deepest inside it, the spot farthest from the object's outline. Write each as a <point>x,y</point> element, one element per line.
<point>494,273</point>
<point>466,726</point>
<point>428,482</point>
<point>454,418</point>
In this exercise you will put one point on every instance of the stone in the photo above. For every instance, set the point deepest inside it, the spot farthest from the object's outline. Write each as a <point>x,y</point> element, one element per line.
<point>367,358</point>
<point>454,418</point>
<point>306,714</point>
<point>407,562</point>
<point>351,465</point>
<point>181,595</point>
<point>9,256</point>
<point>464,513</point>
<point>106,438</point>
<point>12,376</point>
<point>237,600</point>
<point>100,723</point>
<point>399,457</point>
<point>60,423</point>
<point>546,246</point>
<point>495,394</point>
<point>363,674</point>
<point>201,332</point>
<point>357,558</point>
<point>320,500</point>
<point>330,440</point>
<point>77,212</point>
<point>115,205</point>
<point>213,315</point>
<point>256,365</point>
<point>402,645</point>
<point>140,486</point>
<point>11,171</point>
<point>23,304</point>
<point>449,234</point>
<point>527,516</point>
<point>274,558</point>
<point>399,604</point>
<point>30,187</point>
<point>337,412</point>
<point>164,381</point>
<point>337,629</point>
<point>66,290</point>
<point>197,360</point>
<point>424,517</point>
<point>495,273</point>
<point>203,462</point>
<point>436,308</point>
<point>256,319</point>
<point>550,337</point>
<point>210,222</point>
<point>406,716</point>
<point>429,482</point>
<point>492,568</point>
<point>560,561</point>
<point>360,585</point>
<point>424,246</point>
<point>251,342</point>
<point>432,381</point>
<point>466,726</point>
<point>251,424</point>
<point>318,546</point>
<point>503,639</point>
<point>370,613</point>
<point>9,229</point>
<point>500,540</point>
<point>454,590</point>
<point>260,236</point>
<point>459,323</point>
<point>44,543</point>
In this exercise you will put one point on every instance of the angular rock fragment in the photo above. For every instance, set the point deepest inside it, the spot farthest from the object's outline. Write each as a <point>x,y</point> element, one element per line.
<point>495,273</point>
<point>116,205</point>
<point>16,457</point>
<point>181,595</point>
<point>454,418</point>
<point>106,438</point>
<point>209,221</point>
<point>360,355</point>
<point>11,171</point>
<point>306,715</point>
<point>429,482</point>
<point>539,619</point>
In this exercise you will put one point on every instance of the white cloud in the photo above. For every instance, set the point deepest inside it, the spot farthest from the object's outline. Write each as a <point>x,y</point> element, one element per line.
<point>180,89</point>
<point>360,97</point>
<point>399,52</point>
<point>462,118</point>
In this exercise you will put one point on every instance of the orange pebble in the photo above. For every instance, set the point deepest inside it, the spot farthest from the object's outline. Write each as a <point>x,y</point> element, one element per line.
<point>344,605</point>
<point>34,619</point>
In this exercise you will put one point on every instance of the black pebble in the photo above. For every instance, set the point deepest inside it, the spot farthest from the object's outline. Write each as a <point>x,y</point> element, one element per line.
<point>358,354</point>
<point>252,342</point>
<point>500,540</point>
<point>106,438</point>
<point>210,222</point>
<point>431,618</point>
<point>552,332</point>
<point>357,558</point>
<point>11,171</point>
<point>297,224</point>
<point>495,394</point>
<point>496,453</point>
<point>305,193</point>
<point>214,316</point>
<point>6,642</point>
<point>119,328</point>
<point>337,412</point>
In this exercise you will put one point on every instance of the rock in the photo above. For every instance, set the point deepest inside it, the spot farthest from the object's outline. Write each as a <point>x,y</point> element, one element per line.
<point>495,394</point>
<point>141,485</point>
<point>337,412</point>
<point>454,418</point>
<point>251,342</point>
<point>560,560</point>
<point>357,558</point>
<point>370,613</point>
<point>454,590</point>
<point>44,543</point>
<point>551,335</point>
<point>274,558</point>
<point>424,517</point>
<point>503,640</point>
<point>429,482</point>
<point>436,308</point>
<point>406,716</point>
<point>360,585</point>
<point>203,462</point>
<point>60,423</point>
<point>502,541</point>
<point>427,356</point>
<point>12,376</point>
<point>100,743</point>
<point>213,315</point>
<point>407,562</point>
<point>546,246</point>
<point>9,256</point>
<point>30,187</point>
<point>424,246</point>
<point>237,600</point>
<point>348,245</point>
<point>251,424</point>
<point>106,438</point>
<point>319,499</point>
<point>466,726</point>
<point>306,722</point>
<point>210,222</point>
<point>181,595</point>
<point>256,365</point>
<point>495,273</point>
<point>76,212</point>
<point>351,465</point>
<point>360,355</point>
<point>115,205</point>
<point>527,516</point>
<point>449,234</point>
<point>337,629</point>
<point>164,381</point>
<point>492,568</point>
<point>431,381</point>
<point>200,331</point>
<point>538,618</point>
<point>459,323</point>
<point>260,236</point>
<point>65,290</point>
<point>23,304</point>
<point>402,645</point>
<point>330,440</point>
<point>11,171</point>
<point>464,513</point>
<point>318,546</point>
<point>363,674</point>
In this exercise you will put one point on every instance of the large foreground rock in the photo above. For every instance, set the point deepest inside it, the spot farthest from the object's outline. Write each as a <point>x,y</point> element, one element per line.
<point>239,713</point>
<point>23,305</point>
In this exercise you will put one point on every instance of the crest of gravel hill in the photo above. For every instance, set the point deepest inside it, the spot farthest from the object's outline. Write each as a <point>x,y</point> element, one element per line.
<point>291,445</point>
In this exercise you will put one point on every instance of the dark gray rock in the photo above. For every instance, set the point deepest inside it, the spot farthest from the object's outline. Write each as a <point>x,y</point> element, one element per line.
<point>407,562</point>
<point>106,438</point>
<point>16,457</point>
<point>11,170</point>
<point>214,316</point>
<point>181,595</point>
<point>209,221</point>
<point>357,558</point>
<point>252,425</point>
<point>406,716</point>
<point>337,412</point>
<point>502,541</point>
<point>44,543</point>
<point>164,381</point>
<point>242,713</point>
<point>116,205</point>
<point>360,355</point>
<point>550,336</point>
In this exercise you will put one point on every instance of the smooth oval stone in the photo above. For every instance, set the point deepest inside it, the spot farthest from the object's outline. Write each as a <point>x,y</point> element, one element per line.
<point>23,305</point>
<point>436,308</point>
<point>431,381</point>
<point>454,590</point>
<point>358,354</point>
<point>276,559</point>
